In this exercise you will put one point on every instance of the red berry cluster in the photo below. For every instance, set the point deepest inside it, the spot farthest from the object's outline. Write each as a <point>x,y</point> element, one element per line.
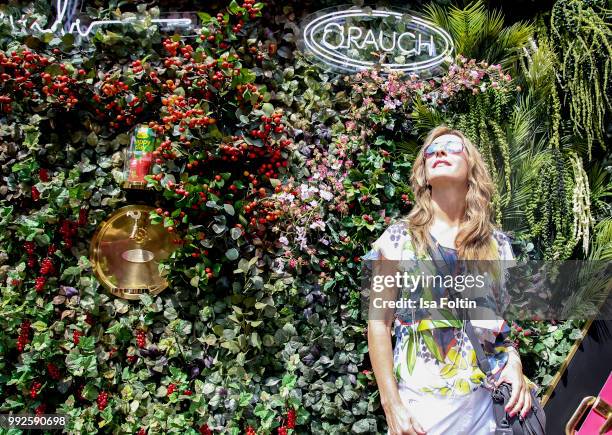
<point>205,430</point>
<point>82,221</point>
<point>54,372</point>
<point>68,229</point>
<point>171,46</point>
<point>46,266</point>
<point>250,431</point>
<point>102,400</point>
<point>43,175</point>
<point>29,248</point>
<point>76,336</point>
<point>131,358</point>
<point>39,283</point>
<point>24,335</point>
<point>245,94</point>
<point>290,424</point>
<point>61,88</point>
<point>79,393</point>
<point>35,194</point>
<point>171,389</point>
<point>34,389</point>
<point>291,418</point>
<point>40,409</point>
<point>251,10</point>
<point>137,66</point>
<point>117,104</point>
<point>141,338</point>
<point>18,72</point>
<point>142,431</point>
<point>178,109</point>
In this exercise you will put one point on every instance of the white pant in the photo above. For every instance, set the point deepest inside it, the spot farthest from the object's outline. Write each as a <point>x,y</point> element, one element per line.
<point>471,414</point>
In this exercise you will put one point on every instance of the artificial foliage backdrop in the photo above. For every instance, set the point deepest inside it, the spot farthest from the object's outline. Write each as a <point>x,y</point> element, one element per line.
<point>276,175</point>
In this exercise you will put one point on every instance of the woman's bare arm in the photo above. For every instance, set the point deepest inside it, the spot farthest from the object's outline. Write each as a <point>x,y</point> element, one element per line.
<point>380,322</point>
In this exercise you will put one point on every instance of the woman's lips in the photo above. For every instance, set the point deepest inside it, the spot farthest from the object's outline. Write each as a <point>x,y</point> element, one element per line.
<point>437,162</point>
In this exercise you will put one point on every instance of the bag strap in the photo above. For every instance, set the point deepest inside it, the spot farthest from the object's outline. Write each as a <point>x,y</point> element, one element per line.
<point>483,361</point>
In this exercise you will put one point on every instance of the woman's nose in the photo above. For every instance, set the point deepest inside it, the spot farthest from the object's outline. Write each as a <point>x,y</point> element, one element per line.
<point>441,151</point>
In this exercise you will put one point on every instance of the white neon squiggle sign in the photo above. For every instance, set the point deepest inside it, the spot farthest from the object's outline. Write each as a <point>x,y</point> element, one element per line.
<point>61,7</point>
<point>330,39</point>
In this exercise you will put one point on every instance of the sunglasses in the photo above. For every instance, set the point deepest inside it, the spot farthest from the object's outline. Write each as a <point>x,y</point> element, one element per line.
<point>451,147</point>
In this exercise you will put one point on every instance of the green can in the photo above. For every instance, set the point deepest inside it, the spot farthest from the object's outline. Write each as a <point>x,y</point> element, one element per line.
<point>144,139</point>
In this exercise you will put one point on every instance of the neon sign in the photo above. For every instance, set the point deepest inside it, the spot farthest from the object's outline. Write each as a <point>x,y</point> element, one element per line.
<point>350,40</point>
<point>63,21</point>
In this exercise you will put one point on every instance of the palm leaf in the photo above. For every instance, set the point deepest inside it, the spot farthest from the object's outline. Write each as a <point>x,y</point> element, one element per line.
<point>601,245</point>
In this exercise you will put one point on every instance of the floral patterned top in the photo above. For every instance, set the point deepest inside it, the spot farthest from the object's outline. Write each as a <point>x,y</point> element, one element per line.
<point>436,356</point>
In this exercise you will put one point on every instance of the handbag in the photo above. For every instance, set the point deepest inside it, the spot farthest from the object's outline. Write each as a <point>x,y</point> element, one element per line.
<point>534,422</point>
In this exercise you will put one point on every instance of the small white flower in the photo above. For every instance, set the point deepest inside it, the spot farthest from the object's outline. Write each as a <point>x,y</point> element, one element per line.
<point>326,195</point>
<point>318,224</point>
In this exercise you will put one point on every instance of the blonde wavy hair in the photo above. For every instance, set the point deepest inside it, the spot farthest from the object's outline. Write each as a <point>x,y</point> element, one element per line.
<point>475,237</point>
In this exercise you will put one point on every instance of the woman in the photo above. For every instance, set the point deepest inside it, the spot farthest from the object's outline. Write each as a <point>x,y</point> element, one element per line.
<point>430,382</point>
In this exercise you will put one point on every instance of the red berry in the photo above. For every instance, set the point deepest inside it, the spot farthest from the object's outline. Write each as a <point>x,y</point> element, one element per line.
<point>29,247</point>
<point>35,193</point>
<point>282,430</point>
<point>39,283</point>
<point>291,419</point>
<point>40,409</point>
<point>141,338</point>
<point>43,175</point>
<point>82,217</point>
<point>250,431</point>
<point>76,336</point>
<point>205,430</point>
<point>46,267</point>
<point>171,388</point>
<point>102,400</point>
<point>79,393</point>
<point>53,371</point>
<point>34,389</point>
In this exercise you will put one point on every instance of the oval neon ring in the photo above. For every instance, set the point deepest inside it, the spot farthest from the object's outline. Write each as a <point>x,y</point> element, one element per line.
<point>340,60</point>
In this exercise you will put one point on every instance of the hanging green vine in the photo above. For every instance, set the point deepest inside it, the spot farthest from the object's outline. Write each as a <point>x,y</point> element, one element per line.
<point>582,37</point>
<point>482,123</point>
<point>550,212</point>
<point>583,220</point>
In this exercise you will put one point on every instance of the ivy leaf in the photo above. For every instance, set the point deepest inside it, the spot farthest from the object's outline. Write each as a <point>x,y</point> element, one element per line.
<point>268,109</point>
<point>233,7</point>
<point>390,190</point>
<point>232,254</point>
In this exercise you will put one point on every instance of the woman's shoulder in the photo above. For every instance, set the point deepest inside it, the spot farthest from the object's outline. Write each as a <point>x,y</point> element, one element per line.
<point>391,242</point>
